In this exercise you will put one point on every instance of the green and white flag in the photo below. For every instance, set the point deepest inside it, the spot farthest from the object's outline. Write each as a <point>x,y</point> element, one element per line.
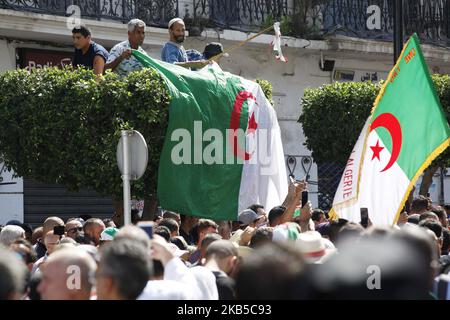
<point>222,150</point>
<point>405,132</point>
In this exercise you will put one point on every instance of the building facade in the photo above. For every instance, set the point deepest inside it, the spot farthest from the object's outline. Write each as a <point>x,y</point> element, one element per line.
<point>325,41</point>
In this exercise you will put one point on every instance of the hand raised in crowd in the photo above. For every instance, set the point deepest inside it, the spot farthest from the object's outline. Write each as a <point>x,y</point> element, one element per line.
<point>246,236</point>
<point>300,186</point>
<point>305,214</point>
<point>161,250</point>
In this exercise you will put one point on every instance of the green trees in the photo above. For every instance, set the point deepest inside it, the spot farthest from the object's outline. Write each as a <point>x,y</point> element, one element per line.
<point>62,126</point>
<point>334,115</point>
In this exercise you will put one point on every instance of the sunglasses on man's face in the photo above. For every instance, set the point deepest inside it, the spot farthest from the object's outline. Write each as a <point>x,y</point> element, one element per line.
<point>79,229</point>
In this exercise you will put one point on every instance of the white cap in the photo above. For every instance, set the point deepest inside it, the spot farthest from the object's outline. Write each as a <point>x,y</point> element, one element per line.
<point>171,22</point>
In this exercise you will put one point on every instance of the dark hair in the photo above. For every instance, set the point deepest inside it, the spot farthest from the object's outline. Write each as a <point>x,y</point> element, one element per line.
<point>428,215</point>
<point>350,230</point>
<point>106,221</point>
<point>128,263</point>
<point>404,269</point>
<point>414,218</point>
<point>316,213</point>
<point>182,245</point>
<point>83,239</point>
<point>261,236</point>
<point>445,241</point>
<point>31,255</point>
<point>33,283</point>
<point>194,234</point>
<point>420,203</point>
<point>204,224</point>
<point>335,228</point>
<point>135,218</point>
<point>85,217</point>
<point>210,238</point>
<point>439,211</point>
<point>27,227</point>
<point>85,32</point>
<point>254,207</point>
<point>270,272</point>
<point>158,268</point>
<point>275,213</point>
<point>433,225</point>
<point>163,231</point>
<point>170,223</point>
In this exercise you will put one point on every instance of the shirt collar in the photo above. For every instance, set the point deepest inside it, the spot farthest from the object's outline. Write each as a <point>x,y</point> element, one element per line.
<point>178,45</point>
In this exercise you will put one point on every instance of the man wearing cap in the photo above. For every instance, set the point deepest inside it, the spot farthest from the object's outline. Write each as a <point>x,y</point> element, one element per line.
<point>120,59</point>
<point>108,234</point>
<point>248,217</point>
<point>173,51</point>
<point>249,220</point>
<point>213,49</point>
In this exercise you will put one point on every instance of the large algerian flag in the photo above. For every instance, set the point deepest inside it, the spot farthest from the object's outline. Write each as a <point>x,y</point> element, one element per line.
<point>406,130</point>
<point>223,150</point>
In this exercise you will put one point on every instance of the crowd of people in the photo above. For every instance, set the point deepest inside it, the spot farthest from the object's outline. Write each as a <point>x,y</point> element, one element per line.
<point>287,253</point>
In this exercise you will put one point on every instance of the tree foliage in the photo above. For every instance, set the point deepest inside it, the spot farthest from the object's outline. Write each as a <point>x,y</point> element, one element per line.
<point>62,126</point>
<point>334,115</point>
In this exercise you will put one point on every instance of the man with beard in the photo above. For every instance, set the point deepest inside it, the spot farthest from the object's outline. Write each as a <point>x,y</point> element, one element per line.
<point>174,52</point>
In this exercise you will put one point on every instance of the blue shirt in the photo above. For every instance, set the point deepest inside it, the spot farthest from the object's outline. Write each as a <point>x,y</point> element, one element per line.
<point>87,59</point>
<point>173,52</point>
<point>127,65</point>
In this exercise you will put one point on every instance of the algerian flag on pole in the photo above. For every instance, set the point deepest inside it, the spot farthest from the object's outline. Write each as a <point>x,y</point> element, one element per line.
<point>223,150</point>
<point>405,132</point>
<point>277,43</point>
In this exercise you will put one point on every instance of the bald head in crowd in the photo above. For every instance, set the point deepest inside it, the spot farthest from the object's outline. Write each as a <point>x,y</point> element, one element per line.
<point>224,253</point>
<point>50,223</point>
<point>67,275</point>
<point>93,229</point>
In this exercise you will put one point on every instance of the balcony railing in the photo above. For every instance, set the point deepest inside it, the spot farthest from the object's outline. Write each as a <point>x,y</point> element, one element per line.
<point>368,19</point>
<point>373,19</point>
<point>153,12</point>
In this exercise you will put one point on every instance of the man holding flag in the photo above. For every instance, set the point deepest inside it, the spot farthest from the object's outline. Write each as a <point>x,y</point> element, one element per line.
<point>405,132</point>
<point>223,149</point>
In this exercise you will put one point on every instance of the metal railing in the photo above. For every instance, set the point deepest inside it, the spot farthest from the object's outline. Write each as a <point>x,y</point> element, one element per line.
<point>153,12</point>
<point>243,15</point>
<point>368,19</point>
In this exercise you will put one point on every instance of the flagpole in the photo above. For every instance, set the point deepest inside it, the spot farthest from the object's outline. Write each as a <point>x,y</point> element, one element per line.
<point>240,44</point>
<point>398,29</point>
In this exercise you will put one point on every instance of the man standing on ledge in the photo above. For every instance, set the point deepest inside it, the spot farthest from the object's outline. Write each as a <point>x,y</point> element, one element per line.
<point>120,59</point>
<point>174,52</point>
<point>88,53</point>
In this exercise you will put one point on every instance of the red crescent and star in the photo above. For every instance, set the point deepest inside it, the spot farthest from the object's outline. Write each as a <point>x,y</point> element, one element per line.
<point>392,125</point>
